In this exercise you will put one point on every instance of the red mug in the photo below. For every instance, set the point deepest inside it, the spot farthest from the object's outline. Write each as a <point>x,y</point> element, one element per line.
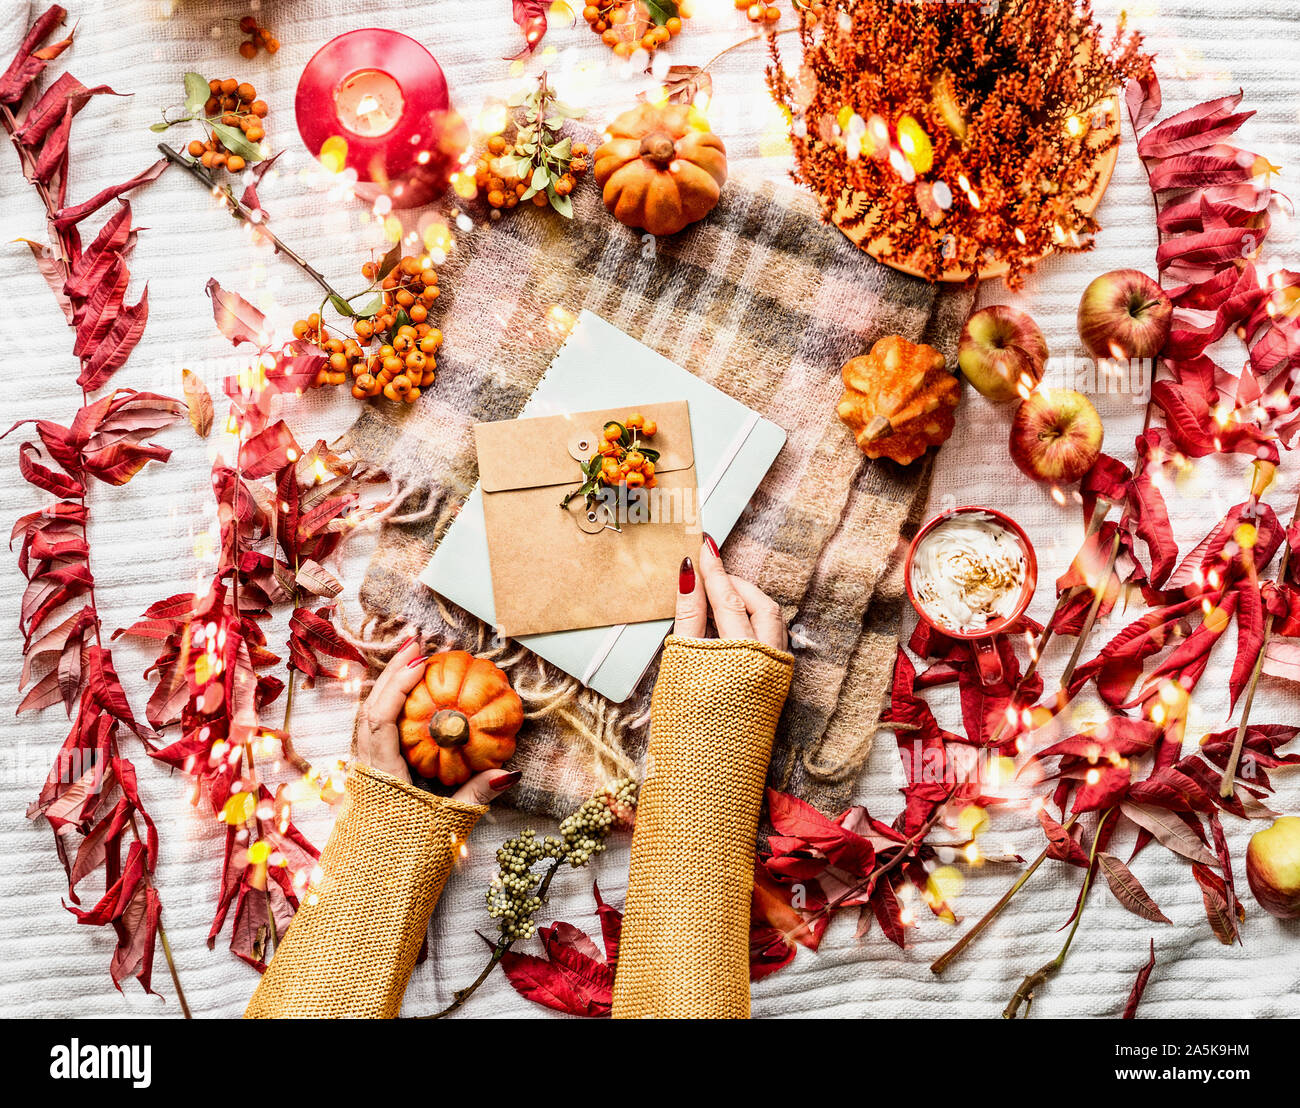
<point>981,640</point>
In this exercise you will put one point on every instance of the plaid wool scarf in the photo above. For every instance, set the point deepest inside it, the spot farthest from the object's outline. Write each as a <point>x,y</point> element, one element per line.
<point>763,301</point>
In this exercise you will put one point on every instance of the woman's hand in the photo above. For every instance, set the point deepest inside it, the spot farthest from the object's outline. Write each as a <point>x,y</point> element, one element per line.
<point>740,610</point>
<point>378,745</point>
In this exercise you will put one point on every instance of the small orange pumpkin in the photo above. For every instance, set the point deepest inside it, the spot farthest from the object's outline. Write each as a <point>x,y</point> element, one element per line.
<point>661,168</point>
<point>898,400</point>
<point>460,719</point>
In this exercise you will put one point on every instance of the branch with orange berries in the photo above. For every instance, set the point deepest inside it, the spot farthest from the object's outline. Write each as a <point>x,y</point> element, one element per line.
<point>621,461</point>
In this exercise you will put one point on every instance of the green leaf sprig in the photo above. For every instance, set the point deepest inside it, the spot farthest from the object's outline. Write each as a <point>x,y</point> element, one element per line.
<point>542,150</point>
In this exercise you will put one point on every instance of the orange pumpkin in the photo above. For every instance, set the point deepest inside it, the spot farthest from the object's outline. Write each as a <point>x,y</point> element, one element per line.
<point>898,400</point>
<point>460,719</point>
<point>661,168</point>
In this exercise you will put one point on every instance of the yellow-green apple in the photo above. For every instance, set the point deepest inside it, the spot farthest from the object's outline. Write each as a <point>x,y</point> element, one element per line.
<point>1002,349</point>
<point>1056,435</point>
<point>1124,314</point>
<point>1273,867</point>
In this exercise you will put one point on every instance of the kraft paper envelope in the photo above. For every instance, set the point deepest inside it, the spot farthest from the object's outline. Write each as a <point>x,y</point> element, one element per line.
<point>599,365</point>
<point>554,568</point>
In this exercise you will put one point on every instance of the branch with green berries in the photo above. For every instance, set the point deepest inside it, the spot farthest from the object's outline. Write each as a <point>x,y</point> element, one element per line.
<point>518,889</point>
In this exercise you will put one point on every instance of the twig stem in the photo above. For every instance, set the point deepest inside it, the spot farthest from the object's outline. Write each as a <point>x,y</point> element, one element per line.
<point>498,952</point>
<point>1024,995</point>
<point>944,961</point>
<point>241,211</point>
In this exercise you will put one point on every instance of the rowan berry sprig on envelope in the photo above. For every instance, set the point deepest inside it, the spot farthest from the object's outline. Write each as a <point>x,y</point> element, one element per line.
<point>621,460</point>
<point>233,116</point>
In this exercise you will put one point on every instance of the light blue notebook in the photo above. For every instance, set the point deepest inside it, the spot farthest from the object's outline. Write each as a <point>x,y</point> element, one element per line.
<point>601,367</point>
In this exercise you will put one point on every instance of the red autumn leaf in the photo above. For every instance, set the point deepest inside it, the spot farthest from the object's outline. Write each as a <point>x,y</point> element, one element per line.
<point>55,272</point>
<point>236,318</point>
<point>71,216</point>
<point>1223,919</point>
<point>32,56</point>
<point>1119,663</point>
<point>1169,830</point>
<point>888,912</point>
<point>1194,129</point>
<point>311,634</point>
<point>772,905</point>
<point>1128,889</point>
<point>577,984</point>
<point>1250,639</point>
<point>48,111</point>
<point>268,451</point>
<point>1142,97</point>
<point>768,951</point>
<point>798,819</point>
<point>1220,164</point>
<point>530,17</point>
<point>1176,788</point>
<point>109,247</point>
<point>1140,985</point>
<point>1261,748</point>
<point>96,314</point>
<point>112,351</point>
<point>1149,515</point>
<point>1235,203</point>
<point>59,484</point>
<point>611,925</point>
<point>1100,787</point>
<point>1062,844</point>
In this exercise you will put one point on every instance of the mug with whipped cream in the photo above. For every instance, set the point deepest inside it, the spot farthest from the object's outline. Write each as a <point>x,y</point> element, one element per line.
<point>970,574</point>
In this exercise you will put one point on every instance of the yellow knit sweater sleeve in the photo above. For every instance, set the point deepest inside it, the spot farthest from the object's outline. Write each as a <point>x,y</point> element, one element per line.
<point>684,950</point>
<point>351,952</point>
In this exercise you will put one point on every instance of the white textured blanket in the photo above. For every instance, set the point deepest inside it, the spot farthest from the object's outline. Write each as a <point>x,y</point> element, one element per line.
<point>145,536</point>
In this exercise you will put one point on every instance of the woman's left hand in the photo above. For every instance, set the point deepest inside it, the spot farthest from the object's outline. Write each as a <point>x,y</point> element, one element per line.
<point>378,745</point>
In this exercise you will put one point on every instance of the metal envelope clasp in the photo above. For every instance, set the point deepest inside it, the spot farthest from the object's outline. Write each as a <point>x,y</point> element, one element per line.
<point>583,445</point>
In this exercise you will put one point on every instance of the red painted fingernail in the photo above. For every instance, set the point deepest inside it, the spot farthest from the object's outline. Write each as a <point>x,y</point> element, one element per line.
<point>686,577</point>
<point>418,660</point>
<point>406,644</point>
<point>505,781</point>
<point>713,546</point>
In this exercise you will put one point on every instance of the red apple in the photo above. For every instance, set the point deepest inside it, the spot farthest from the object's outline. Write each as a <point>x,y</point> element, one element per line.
<point>1124,314</point>
<point>1056,435</point>
<point>1001,349</point>
<point>1273,867</point>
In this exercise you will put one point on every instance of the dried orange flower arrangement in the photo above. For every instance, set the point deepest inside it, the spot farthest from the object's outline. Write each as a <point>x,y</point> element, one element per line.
<point>963,131</point>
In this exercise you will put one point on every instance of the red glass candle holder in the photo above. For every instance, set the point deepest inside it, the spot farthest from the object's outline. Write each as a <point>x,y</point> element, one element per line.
<point>377,101</point>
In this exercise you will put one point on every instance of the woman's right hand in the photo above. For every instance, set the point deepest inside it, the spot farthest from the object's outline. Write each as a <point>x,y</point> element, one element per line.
<point>740,610</point>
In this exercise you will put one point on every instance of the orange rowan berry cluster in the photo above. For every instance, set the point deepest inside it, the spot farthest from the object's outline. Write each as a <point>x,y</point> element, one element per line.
<point>496,174</point>
<point>624,458</point>
<point>628,25</point>
<point>231,103</point>
<point>404,362</point>
<point>259,38</point>
<point>758,13</point>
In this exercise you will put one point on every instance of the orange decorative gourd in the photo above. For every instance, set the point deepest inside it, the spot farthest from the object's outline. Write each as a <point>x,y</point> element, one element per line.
<point>899,399</point>
<point>661,168</point>
<point>460,719</point>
